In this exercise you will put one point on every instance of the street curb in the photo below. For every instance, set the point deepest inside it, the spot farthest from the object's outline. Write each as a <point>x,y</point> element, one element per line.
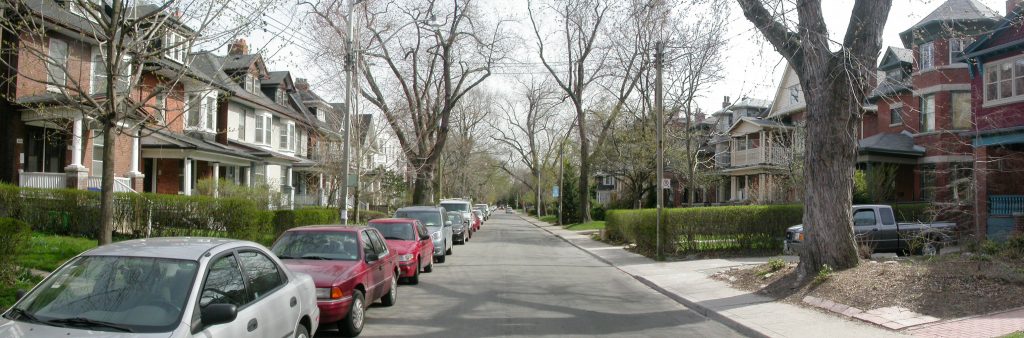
<point>696,307</point>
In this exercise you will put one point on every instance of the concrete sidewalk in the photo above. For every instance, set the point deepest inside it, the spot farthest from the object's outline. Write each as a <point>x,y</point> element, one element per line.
<point>689,283</point>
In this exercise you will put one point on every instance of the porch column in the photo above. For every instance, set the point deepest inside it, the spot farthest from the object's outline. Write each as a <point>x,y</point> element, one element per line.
<point>216,179</point>
<point>732,187</point>
<point>248,175</point>
<point>187,186</point>
<point>77,174</point>
<point>764,153</point>
<point>981,191</point>
<point>135,175</point>
<point>321,197</point>
<point>291,189</point>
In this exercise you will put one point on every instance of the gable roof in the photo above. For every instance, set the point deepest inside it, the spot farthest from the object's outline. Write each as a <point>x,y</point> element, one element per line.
<point>895,56</point>
<point>981,46</point>
<point>213,66</point>
<point>951,11</point>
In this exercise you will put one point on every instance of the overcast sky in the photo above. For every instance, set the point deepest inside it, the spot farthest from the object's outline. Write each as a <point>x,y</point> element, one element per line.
<point>753,68</point>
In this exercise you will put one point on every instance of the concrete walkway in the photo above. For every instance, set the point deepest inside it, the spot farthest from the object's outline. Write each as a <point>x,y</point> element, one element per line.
<point>689,283</point>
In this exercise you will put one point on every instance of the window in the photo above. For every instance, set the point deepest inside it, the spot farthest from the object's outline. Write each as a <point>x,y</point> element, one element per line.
<point>99,74</point>
<point>292,139</point>
<point>795,94</point>
<point>927,174</point>
<point>175,49</point>
<point>609,180</point>
<point>224,284</point>
<point>962,181</point>
<point>928,113</point>
<point>887,217</point>
<point>251,83</point>
<point>927,56</point>
<point>161,107</point>
<point>895,74</point>
<point>57,65</point>
<point>281,96</point>
<point>956,49</point>
<point>243,116</point>
<point>896,115</point>
<point>266,131</point>
<point>194,108</point>
<point>263,125</point>
<point>864,217</point>
<point>259,174</point>
<point>283,130</point>
<point>961,110</point>
<point>378,243</point>
<point>211,113</point>
<point>367,245</point>
<point>264,276</point>
<point>97,154</point>
<point>124,78</point>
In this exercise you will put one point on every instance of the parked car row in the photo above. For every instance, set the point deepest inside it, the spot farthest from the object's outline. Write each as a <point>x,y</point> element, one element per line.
<point>206,287</point>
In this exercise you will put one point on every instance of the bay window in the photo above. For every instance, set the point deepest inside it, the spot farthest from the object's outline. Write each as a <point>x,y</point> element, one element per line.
<point>926,50</point>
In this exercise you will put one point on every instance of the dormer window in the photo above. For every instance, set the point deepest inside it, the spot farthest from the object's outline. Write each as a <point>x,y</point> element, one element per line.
<point>795,94</point>
<point>255,86</point>
<point>281,96</point>
<point>956,49</point>
<point>175,46</point>
<point>895,74</point>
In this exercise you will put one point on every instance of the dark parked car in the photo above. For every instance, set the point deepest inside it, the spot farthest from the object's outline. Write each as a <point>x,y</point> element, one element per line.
<point>351,267</point>
<point>460,227</point>
<point>410,240</point>
<point>876,226</point>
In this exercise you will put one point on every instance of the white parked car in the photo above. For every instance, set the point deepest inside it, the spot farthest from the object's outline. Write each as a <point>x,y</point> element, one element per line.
<point>168,287</point>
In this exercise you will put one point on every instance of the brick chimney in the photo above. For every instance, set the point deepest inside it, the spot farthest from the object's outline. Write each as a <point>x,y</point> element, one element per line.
<point>301,85</point>
<point>726,103</point>
<point>239,47</point>
<point>1012,5</point>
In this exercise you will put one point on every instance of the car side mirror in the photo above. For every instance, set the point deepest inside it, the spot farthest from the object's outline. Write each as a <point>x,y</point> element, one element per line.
<point>214,314</point>
<point>370,257</point>
<point>448,223</point>
<point>424,237</point>
<point>19,295</point>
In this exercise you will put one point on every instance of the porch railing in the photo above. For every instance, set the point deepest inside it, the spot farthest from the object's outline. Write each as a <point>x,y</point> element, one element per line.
<point>43,180</point>
<point>755,156</point>
<point>1005,205</point>
<point>121,184</point>
<point>307,200</point>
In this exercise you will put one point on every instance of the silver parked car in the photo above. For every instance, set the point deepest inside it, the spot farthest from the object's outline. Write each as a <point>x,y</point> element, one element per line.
<point>437,224</point>
<point>168,287</point>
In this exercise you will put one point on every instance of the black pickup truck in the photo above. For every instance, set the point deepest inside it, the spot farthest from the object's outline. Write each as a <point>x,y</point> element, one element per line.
<point>876,226</point>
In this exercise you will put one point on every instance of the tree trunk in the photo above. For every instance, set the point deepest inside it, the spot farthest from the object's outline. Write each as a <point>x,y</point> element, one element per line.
<point>584,188</point>
<point>830,156</point>
<point>106,229</point>
<point>422,192</point>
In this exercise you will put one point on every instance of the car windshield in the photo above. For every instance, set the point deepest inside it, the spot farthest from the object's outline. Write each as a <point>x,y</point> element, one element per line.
<point>455,206</point>
<point>427,217</point>
<point>112,293</point>
<point>399,231</point>
<point>323,245</point>
<point>456,218</point>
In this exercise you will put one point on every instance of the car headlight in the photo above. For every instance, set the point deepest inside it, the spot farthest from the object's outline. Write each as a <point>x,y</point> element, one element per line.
<point>800,236</point>
<point>436,236</point>
<point>405,258</point>
<point>328,293</point>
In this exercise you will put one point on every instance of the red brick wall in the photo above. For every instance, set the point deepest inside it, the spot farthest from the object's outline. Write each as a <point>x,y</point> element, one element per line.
<point>32,69</point>
<point>175,100</point>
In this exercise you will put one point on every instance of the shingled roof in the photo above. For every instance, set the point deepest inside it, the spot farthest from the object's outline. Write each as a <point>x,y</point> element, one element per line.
<point>891,143</point>
<point>960,11</point>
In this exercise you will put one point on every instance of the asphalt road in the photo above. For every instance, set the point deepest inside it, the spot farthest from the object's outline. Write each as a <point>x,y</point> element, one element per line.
<point>513,279</point>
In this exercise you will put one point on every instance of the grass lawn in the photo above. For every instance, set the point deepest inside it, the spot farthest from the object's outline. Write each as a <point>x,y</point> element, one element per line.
<point>47,252</point>
<point>592,225</point>
<point>550,219</point>
<point>1015,335</point>
<point>9,292</point>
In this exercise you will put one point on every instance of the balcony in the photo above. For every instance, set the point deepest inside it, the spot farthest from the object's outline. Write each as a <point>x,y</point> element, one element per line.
<point>761,156</point>
<point>43,180</point>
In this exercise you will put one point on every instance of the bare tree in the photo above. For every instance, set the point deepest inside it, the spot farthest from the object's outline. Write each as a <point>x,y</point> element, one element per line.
<point>841,80</point>
<point>124,43</point>
<point>529,132</point>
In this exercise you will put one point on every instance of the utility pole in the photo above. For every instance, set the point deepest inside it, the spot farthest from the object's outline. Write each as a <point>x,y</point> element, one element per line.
<point>659,66</point>
<point>561,176</point>
<point>349,108</point>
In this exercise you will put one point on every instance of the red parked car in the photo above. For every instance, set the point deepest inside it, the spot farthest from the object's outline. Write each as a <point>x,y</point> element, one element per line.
<point>410,240</point>
<point>351,268</point>
<point>477,220</point>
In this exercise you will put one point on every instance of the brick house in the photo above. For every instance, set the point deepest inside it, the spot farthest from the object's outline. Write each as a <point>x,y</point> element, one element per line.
<point>996,66</point>
<point>205,116</point>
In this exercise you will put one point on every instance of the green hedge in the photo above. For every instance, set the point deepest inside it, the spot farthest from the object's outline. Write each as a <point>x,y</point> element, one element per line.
<point>706,229</point>
<point>287,219</point>
<point>754,228</point>
<point>12,243</point>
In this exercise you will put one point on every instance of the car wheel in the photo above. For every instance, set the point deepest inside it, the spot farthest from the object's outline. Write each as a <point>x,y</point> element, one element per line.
<point>352,325</point>
<point>391,297</point>
<point>440,259</point>
<point>930,248</point>
<point>449,251</point>
<point>301,332</point>
<point>429,268</point>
